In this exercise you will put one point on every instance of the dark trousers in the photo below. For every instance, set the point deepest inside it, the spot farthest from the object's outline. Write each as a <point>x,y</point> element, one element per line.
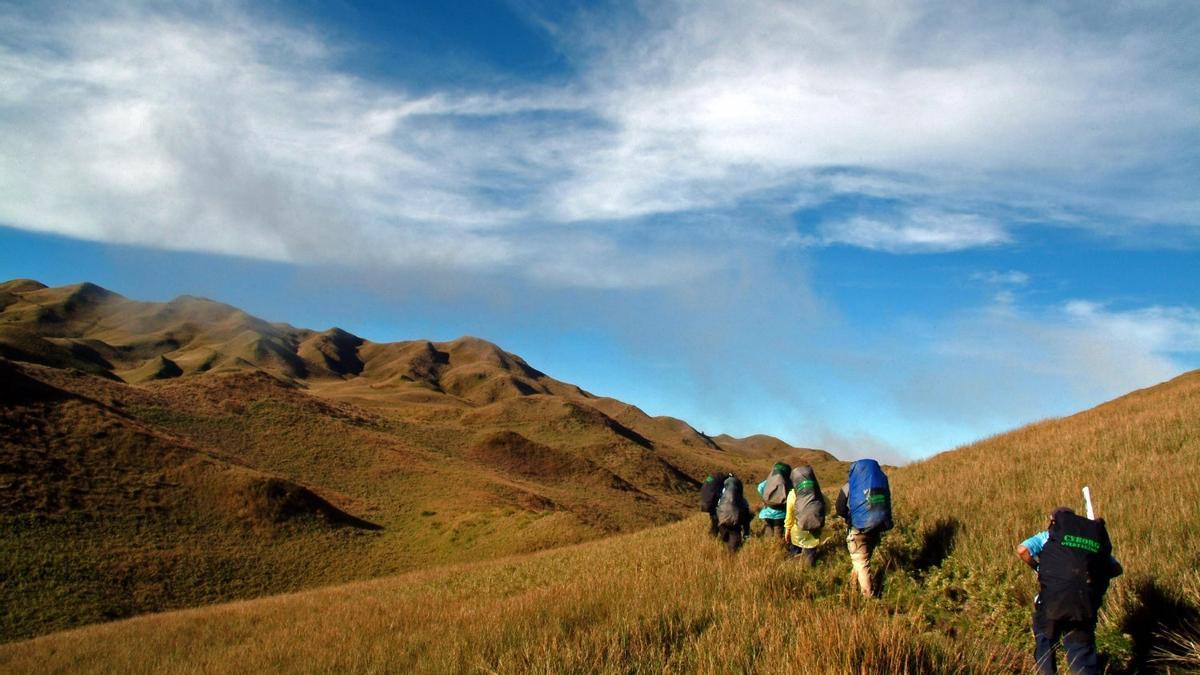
<point>1078,638</point>
<point>774,527</point>
<point>807,555</point>
<point>712,523</point>
<point>730,536</point>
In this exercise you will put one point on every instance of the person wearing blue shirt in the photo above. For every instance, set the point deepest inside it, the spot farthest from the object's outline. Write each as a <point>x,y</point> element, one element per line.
<point>1078,637</point>
<point>771,516</point>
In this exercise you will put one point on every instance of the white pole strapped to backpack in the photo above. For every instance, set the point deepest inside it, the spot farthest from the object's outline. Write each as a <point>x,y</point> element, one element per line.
<point>1087,502</point>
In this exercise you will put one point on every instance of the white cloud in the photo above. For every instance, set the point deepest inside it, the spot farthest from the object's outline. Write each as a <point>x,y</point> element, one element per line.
<point>915,231</point>
<point>1160,330</point>
<point>1007,364</point>
<point>1009,278</point>
<point>208,130</point>
<point>974,103</point>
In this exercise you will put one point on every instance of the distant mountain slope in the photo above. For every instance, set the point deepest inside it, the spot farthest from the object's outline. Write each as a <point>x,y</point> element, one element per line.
<point>94,330</point>
<point>169,440</point>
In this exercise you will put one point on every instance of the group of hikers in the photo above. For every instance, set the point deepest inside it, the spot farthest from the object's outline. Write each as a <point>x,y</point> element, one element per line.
<point>1072,556</point>
<point>794,511</point>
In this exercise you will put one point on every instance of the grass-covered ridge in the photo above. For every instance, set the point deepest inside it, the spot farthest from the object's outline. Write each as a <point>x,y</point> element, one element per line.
<point>156,456</point>
<point>460,511</point>
<point>954,597</point>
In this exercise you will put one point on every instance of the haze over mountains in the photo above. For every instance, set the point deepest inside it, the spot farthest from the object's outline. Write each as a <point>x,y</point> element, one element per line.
<point>193,453</point>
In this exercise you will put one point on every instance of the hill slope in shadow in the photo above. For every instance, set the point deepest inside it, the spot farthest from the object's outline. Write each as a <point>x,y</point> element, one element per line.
<point>193,453</point>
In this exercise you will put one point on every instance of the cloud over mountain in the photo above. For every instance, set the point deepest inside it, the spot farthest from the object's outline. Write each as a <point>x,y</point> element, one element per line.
<point>217,129</point>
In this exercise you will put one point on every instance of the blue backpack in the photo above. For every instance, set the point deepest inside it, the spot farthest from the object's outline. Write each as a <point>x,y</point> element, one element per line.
<point>869,498</point>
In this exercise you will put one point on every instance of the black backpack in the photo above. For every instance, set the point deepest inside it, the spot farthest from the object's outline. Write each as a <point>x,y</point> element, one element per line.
<point>710,492</point>
<point>1074,568</point>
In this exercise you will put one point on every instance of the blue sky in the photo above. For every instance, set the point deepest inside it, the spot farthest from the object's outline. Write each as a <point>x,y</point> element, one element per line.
<point>884,229</point>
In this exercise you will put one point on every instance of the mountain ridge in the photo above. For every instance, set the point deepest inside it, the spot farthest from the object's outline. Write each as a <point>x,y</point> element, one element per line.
<point>270,458</point>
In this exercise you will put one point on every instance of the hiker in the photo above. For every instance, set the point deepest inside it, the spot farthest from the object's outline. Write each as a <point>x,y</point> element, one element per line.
<point>865,502</point>
<point>774,492</point>
<point>733,514</point>
<point>710,492</point>
<point>805,515</point>
<point>1074,563</point>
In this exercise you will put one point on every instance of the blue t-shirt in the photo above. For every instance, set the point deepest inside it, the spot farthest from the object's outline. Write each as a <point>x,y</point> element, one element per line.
<point>1036,543</point>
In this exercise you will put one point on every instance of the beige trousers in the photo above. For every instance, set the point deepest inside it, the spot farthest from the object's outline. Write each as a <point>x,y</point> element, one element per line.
<point>861,546</point>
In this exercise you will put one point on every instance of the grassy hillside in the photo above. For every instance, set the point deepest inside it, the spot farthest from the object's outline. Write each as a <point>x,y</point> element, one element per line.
<point>191,453</point>
<point>667,599</point>
<point>954,598</point>
<point>1140,454</point>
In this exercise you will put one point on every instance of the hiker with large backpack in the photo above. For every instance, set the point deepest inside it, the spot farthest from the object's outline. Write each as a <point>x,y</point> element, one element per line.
<point>774,492</point>
<point>1074,563</point>
<point>805,515</point>
<point>865,502</point>
<point>710,492</point>
<point>733,514</point>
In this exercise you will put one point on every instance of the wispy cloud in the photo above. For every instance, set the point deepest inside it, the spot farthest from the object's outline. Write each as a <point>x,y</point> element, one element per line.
<point>203,129</point>
<point>1006,362</point>
<point>973,104</point>
<point>1009,278</point>
<point>915,231</point>
<point>207,131</point>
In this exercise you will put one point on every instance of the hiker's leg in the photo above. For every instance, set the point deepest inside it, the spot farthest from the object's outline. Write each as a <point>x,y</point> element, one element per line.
<point>810,556</point>
<point>860,560</point>
<point>731,537</point>
<point>1045,643</point>
<point>1080,643</point>
<point>712,523</point>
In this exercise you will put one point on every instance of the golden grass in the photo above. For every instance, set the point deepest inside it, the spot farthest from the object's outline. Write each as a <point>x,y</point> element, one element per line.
<point>669,599</point>
<point>161,489</point>
<point>662,600</point>
<point>1140,455</point>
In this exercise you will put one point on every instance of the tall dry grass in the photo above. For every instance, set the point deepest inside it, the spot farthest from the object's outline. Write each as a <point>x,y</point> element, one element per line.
<point>954,596</point>
<point>663,600</point>
<point>1139,454</point>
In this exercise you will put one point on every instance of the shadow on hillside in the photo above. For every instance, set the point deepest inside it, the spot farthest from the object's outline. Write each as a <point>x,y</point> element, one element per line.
<point>1158,612</point>
<point>354,521</point>
<point>937,543</point>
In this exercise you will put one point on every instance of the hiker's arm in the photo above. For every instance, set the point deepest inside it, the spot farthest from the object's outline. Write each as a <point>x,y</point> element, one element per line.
<point>1024,554</point>
<point>1115,569</point>
<point>841,507</point>
<point>789,518</point>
